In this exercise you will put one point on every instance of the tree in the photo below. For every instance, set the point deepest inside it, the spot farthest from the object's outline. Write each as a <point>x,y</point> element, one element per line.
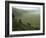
<point>20,21</point>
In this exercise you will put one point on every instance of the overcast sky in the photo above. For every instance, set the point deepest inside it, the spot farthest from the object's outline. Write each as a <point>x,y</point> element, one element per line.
<point>26,6</point>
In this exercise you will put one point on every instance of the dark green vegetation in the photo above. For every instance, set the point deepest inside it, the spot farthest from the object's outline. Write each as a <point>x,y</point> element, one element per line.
<point>25,20</point>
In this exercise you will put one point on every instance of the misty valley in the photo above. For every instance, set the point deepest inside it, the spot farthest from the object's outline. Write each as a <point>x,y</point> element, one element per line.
<point>24,19</point>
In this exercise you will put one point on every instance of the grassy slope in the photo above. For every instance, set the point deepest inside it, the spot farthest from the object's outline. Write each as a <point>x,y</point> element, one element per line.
<point>33,19</point>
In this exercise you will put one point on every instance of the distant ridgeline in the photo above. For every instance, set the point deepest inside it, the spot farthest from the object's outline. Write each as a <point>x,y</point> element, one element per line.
<point>18,12</point>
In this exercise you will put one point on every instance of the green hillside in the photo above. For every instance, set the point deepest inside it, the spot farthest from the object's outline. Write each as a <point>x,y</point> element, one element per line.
<point>25,20</point>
